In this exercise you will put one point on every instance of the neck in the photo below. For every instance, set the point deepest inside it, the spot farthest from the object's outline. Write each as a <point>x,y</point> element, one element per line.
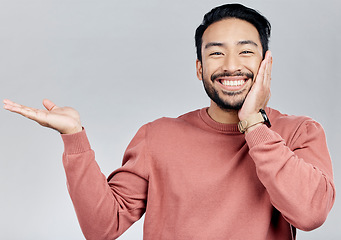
<point>222,116</point>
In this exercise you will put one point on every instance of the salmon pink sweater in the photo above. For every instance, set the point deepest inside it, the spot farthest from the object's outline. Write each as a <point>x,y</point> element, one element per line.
<point>198,179</point>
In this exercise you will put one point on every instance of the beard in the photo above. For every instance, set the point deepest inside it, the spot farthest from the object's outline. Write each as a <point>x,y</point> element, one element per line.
<point>226,104</point>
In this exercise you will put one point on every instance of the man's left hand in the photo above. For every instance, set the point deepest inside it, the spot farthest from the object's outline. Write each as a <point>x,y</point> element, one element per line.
<point>259,94</point>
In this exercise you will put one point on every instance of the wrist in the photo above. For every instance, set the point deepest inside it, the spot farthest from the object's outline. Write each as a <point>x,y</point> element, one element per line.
<point>253,121</point>
<point>74,130</point>
<point>250,129</point>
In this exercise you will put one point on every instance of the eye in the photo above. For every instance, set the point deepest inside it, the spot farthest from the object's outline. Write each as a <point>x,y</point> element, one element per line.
<point>246,52</point>
<point>216,53</point>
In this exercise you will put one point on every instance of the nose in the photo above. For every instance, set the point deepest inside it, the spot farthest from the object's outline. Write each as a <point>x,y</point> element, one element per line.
<point>231,63</point>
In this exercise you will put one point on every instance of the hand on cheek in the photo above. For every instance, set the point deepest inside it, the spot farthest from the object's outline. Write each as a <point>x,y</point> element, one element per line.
<point>259,94</point>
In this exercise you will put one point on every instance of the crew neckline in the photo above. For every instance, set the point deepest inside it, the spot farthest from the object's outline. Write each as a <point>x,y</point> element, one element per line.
<point>221,127</point>
<point>224,127</point>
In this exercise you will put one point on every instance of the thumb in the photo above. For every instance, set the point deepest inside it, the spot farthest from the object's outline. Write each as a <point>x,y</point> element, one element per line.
<point>49,105</point>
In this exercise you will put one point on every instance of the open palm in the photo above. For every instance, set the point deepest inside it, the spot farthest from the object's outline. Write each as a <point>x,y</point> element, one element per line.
<point>65,120</point>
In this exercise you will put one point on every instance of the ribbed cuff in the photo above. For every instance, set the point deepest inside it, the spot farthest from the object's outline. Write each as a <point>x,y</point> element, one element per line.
<point>259,135</point>
<point>76,143</point>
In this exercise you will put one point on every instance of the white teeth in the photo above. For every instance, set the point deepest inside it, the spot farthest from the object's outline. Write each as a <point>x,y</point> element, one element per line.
<point>233,83</point>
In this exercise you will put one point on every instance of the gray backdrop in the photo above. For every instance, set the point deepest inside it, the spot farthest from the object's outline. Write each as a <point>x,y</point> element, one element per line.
<point>124,63</point>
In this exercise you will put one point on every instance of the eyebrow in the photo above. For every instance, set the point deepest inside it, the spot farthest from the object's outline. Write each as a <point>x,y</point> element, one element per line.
<point>214,44</point>
<point>219,44</point>
<point>246,42</point>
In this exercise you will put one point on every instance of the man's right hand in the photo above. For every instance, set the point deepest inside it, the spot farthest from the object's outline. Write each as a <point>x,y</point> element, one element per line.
<point>65,120</point>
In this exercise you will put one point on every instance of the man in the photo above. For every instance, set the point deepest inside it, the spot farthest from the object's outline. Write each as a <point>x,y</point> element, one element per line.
<point>222,172</point>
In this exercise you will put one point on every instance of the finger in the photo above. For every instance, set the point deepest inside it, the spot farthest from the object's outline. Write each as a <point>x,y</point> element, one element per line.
<point>23,110</point>
<point>11,106</point>
<point>267,74</point>
<point>8,102</point>
<point>266,66</point>
<point>49,105</point>
<point>267,100</point>
<point>28,112</point>
<point>261,71</point>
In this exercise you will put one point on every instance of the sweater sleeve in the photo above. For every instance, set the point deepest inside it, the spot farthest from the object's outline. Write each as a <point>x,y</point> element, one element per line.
<point>298,177</point>
<point>105,207</point>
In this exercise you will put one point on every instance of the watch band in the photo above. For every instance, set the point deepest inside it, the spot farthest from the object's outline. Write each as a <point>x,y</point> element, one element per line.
<point>251,121</point>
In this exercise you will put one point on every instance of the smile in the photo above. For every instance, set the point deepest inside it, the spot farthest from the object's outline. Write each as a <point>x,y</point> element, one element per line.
<point>232,83</point>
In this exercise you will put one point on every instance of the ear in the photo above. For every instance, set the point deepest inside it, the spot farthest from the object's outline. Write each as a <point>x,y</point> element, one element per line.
<point>199,69</point>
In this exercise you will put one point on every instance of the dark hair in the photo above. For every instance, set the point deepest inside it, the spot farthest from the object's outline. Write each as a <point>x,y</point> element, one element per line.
<point>234,11</point>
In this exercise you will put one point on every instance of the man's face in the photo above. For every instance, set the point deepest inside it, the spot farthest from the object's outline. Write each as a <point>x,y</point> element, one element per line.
<point>231,55</point>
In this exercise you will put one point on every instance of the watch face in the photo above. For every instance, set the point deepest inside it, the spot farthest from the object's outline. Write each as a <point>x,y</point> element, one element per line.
<point>266,119</point>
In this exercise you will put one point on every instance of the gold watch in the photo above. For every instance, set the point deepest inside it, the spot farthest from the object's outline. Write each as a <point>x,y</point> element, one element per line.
<point>260,117</point>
